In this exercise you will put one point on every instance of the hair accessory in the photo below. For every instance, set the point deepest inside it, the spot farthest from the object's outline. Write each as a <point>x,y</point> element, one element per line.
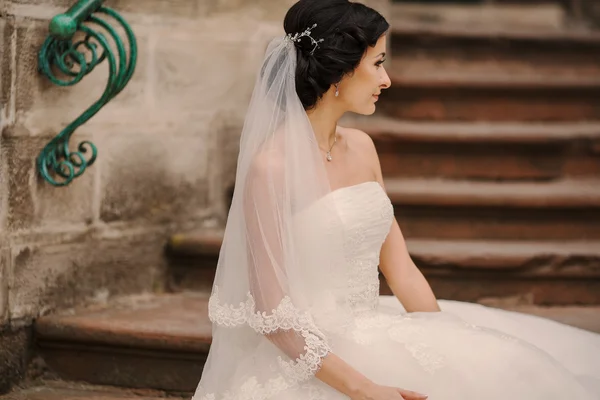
<point>307,33</point>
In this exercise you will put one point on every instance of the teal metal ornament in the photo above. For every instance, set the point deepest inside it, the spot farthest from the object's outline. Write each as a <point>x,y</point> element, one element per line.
<point>57,163</point>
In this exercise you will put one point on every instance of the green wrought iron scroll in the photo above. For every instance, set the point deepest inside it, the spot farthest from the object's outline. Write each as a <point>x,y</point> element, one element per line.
<point>65,61</point>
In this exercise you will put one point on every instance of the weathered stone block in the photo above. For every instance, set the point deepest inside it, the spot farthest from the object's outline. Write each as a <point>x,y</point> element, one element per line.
<point>62,276</point>
<point>263,9</point>
<point>200,70</point>
<point>160,178</point>
<point>5,264</point>
<point>177,8</point>
<point>270,10</point>
<point>30,37</point>
<point>168,8</point>
<point>19,171</point>
<point>3,192</point>
<point>15,344</point>
<point>34,203</point>
<point>4,64</point>
<point>52,3</point>
<point>6,56</point>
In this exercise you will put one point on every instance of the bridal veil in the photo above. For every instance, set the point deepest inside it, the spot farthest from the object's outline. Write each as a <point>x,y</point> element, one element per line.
<point>280,274</point>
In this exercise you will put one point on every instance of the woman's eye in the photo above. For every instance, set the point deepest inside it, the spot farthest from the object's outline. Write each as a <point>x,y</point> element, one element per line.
<point>378,63</point>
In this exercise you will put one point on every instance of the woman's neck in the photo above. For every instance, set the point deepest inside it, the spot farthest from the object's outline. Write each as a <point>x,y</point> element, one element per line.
<point>324,119</point>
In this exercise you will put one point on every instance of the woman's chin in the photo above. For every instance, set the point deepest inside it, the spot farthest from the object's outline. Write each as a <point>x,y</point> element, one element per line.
<point>368,110</point>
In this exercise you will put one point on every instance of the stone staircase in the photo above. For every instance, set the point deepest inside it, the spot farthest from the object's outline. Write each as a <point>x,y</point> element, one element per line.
<point>490,145</point>
<point>489,142</point>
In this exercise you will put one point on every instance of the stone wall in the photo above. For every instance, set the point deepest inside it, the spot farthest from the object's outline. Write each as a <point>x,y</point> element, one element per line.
<point>167,148</point>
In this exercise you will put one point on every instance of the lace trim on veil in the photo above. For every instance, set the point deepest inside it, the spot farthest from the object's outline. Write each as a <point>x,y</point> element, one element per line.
<point>284,317</point>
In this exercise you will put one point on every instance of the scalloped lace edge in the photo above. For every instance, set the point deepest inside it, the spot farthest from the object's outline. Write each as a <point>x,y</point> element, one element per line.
<point>284,317</point>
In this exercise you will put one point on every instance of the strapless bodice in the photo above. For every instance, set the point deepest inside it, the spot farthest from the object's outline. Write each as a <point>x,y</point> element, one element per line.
<point>365,213</point>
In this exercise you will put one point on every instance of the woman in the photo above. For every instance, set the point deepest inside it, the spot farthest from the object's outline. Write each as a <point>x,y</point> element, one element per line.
<point>295,305</point>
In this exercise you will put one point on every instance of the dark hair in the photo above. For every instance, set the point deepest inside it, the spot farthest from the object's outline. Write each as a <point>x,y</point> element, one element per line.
<point>348,29</point>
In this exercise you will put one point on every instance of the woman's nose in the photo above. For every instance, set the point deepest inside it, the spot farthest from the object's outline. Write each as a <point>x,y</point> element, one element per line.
<point>386,82</point>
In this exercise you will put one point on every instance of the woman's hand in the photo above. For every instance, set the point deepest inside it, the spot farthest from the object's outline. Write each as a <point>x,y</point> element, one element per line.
<point>408,395</point>
<point>378,392</point>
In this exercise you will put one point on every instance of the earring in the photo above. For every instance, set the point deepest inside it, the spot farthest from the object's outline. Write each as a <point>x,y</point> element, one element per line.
<point>337,89</point>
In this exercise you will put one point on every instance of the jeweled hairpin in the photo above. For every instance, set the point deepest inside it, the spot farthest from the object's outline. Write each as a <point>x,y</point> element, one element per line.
<point>297,36</point>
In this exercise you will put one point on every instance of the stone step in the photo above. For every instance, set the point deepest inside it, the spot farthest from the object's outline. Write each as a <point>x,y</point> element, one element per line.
<point>58,390</point>
<point>145,341</point>
<point>444,68</point>
<point>160,342</point>
<point>490,47</point>
<point>548,16</point>
<point>468,96</point>
<point>471,150</point>
<point>450,209</point>
<point>550,273</point>
<point>566,272</point>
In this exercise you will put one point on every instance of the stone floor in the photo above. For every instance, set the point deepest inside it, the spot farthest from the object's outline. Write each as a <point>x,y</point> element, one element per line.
<point>59,390</point>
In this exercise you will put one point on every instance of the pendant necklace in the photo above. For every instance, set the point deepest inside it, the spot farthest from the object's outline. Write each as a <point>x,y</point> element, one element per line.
<point>329,158</point>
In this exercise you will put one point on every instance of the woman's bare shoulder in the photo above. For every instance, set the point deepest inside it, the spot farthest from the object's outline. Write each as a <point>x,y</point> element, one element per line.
<point>361,142</point>
<point>358,139</point>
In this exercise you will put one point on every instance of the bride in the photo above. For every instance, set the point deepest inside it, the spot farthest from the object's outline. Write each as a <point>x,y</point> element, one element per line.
<point>295,304</point>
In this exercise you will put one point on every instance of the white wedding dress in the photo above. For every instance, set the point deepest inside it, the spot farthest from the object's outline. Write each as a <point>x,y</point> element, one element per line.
<point>466,352</point>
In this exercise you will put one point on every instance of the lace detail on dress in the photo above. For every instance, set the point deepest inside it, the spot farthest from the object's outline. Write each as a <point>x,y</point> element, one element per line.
<point>367,228</point>
<point>411,337</point>
<point>387,211</point>
<point>426,356</point>
<point>363,284</point>
<point>253,390</point>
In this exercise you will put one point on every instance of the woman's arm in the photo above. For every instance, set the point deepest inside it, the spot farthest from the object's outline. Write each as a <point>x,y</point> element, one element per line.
<point>336,373</point>
<point>403,277</point>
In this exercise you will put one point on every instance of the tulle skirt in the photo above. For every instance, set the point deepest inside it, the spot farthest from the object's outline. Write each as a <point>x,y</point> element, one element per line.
<point>467,352</point>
